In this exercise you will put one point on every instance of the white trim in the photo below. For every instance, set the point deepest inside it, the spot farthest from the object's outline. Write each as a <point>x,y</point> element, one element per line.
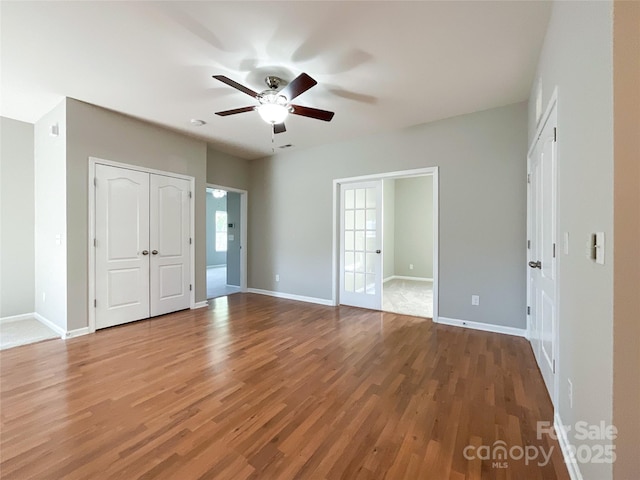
<point>200,305</point>
<point>552,103</point>
<point>433,171</point>
<point>244,225</point>
<point>388,279</point>
<point>16,318</point>
<point>48,323</point>
<point>486,327</point>
<point>563,441</point>
<point>220,265</point>
<point>290,296</point>
<point>78,332</point>
<point>93,161</point>
<point>404,277</point>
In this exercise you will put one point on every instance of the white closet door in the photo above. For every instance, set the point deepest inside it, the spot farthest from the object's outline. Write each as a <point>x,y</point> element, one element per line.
<point>122,246</point>
<point>360,240</point>
<point>169,241</point>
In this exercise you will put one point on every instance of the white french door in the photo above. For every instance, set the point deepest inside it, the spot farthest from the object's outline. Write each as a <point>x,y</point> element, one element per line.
<point>543,252</point>
<point>142,245</point>
<point>361,244</point>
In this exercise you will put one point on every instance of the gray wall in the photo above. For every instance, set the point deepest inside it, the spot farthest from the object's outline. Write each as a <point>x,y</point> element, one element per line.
<point>226,170</point>
<point>17,275</point>
<point>577,58</point>
<point>213,205</point>
<point>233,246</point>
<point>414,227</point>
<point>388,227</point>
<point>94,131</point>
<point>51,234</point>
<point>482,160</point>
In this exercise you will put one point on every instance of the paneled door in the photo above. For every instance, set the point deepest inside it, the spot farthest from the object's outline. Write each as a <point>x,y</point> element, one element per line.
<point>169,243</point>
<point>121,246</point>
<point>361,244</point>
<point>142,245</point>
<point>543,252</point>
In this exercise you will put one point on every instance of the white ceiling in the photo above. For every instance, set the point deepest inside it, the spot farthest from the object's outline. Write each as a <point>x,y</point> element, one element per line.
<point>379,65</point>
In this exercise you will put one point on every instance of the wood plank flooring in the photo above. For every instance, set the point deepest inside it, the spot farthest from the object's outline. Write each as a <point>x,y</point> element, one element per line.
<point>262,388</point>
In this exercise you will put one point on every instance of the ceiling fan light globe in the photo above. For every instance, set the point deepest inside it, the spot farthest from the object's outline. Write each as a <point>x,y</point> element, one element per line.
<point>273,113</point>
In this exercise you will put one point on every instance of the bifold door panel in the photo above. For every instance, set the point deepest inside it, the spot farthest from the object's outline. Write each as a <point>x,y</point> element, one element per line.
<point>141,245</point>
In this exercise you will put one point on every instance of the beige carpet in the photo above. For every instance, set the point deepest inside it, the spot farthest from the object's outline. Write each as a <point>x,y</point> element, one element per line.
<point>23,332</point>
<point>409,297</point>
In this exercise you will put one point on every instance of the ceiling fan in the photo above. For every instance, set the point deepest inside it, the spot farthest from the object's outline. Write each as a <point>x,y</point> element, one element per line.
<point>275,102</point>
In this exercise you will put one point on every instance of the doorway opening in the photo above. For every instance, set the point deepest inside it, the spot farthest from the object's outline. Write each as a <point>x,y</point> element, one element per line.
<point>407,217</point>
<point>386,242</point>
<point>225,237</point>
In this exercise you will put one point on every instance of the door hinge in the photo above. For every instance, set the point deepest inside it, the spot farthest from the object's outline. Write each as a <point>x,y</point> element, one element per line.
<point>95,303</point>
<point>190,240</point>
<point>95,182</point>
<point>554,250</point>
<point>528,178</point>
<point>528,244</point>
<point>94,242</point>
<point>190,287</point>
<point>555,134</point>
<point>554,365</point>
<point>528,310</point>
<point>190,195</point>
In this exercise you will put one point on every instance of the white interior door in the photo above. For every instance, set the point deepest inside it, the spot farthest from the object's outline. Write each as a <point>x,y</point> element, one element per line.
<point>543,253</point>
<point>169,242</point>
<point>122,245</point>
<point>361,244</point>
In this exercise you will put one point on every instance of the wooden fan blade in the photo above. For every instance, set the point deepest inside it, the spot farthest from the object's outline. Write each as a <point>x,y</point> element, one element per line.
<point>298,85</point>
<point>312,113</point>
<point>236,85</point>
<point>279,128</point>
<point>234,111</point>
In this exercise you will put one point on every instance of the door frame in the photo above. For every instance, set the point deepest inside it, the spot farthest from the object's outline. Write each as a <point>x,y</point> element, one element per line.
<point>418,172</point>
<point>544,118</point>
<point>244,203</point>
<point>93,161</point>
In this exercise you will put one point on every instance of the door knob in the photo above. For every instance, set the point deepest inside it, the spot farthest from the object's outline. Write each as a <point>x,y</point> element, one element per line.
<point>537,264</point>
<point>145,252</point>
<point>378,251</point>
<point>155,252</point>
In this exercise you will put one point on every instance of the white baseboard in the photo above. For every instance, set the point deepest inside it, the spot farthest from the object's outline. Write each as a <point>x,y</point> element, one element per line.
<point>404,277</point>
<point>48,323</point>
<point>200,305</point>
<point>217,266</point>
<point>487,327</point>
<point>15,318</point>
<point>561,433</point>
<point>290,296</point>
<point>78,332</point>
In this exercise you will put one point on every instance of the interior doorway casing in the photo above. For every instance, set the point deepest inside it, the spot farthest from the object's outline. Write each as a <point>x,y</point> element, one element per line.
<point>432,171</point>
<point>244,199</point>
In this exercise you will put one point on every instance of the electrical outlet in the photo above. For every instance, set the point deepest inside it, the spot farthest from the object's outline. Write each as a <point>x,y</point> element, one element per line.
<point>570,392</point>
<point>411,266</point>
<point>475,299</point>
<point>277,277</point>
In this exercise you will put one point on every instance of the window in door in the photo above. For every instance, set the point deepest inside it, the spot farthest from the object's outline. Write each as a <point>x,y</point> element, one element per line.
<point>221,231</point>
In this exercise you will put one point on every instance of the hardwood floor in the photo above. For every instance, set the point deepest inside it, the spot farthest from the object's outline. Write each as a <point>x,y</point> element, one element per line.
<point>258,387</point>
